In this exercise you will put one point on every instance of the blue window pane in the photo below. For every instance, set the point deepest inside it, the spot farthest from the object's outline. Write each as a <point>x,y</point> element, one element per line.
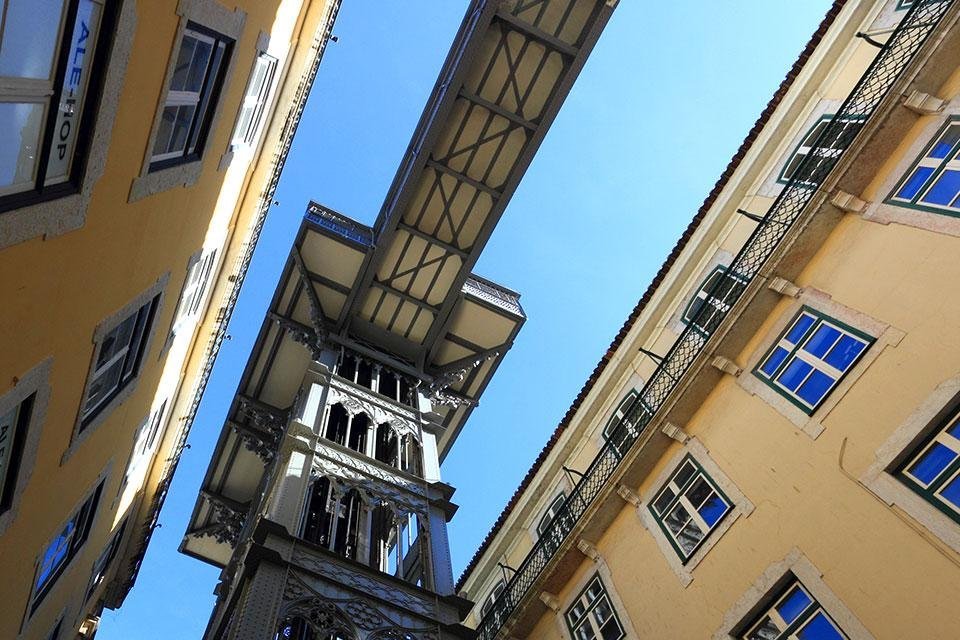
<point>944,189</point>
<point>954,429</point>
<point>712,510</point>
<point>911,187</point>
<point>815,388</point>
<point>945,143</point>
<point>821,340</point>
<point>932,463</point>
<point>799,328</point>
<point>846,351</point>
<point>951,492</point>
<point>819,628</point>
<point>794,374</point>
<point>775,360</point>
<point>793,605</point>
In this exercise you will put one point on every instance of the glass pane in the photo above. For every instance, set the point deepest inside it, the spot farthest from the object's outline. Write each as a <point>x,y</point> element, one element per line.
<point>774,360</point>
<point>683,476</point>
<point>846,351</point>
<point>821,340</point>
<point>767,630</point>
<point>30,38</point>
<point>819,628</point>
<point>198,67</point>
<point>712,510</point>
<point>951,492</point>
<point>101,387</point>
<point>162,143</point>
<point>932,463</point>
<point>954,429</point>
<point>611,630</point>
<point>75,82</point>
<point>676,519</point>
<point>911,187</point>
<point>690,537</point>
<point>204,107</point>
<point>794,374</point>
<point>54,556</point>
<point>793,604</point>
<point>942,147</point>
<point>181,127</point>
<point>815,388</point>
<point>20,125</point>
<point>799,329</point>
<point>584,632</point>
<point>945,188</point>
<point>602,611</point>
<point>182,69</point>
<point>117,340</point>
<point>663,500</point>
<point>8,426</point>
<point>698,492</point>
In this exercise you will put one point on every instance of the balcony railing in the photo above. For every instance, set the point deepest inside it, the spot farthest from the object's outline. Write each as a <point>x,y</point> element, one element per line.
<point>486,290</point>
<point>866,96</point>
<point>339,224</point>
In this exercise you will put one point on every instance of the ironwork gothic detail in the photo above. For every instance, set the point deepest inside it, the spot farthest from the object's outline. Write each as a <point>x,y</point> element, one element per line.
<point>229,521</point>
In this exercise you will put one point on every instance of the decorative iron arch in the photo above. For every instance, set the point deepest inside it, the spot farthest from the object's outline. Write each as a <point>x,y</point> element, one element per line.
<point>322,617</point>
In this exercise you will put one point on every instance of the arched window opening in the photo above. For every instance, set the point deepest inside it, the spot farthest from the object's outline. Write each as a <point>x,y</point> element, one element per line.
<point>347,367</point>
<point>299,629</point>
<point>347,527</point>
<point>337,422</point>
<point>381,537</point>
<point>389,385</point>
<point>357,439</point>
<point>405,396</point>
<point>410,455</point>
<point>387,447</point>
<point>317,521</point>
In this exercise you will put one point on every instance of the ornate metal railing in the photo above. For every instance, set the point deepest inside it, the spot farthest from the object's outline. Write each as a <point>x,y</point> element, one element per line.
<point>866,96</point>
<point>339,224</point>
<point>493,293</point>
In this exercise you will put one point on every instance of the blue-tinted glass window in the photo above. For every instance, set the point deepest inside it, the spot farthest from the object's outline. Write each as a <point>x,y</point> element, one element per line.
<point>933,182</point>
<point>933,467</point>
<point>792,613</point>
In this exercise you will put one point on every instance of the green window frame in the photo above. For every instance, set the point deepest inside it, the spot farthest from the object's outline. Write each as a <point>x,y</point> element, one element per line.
<point>592,616</point>
<point>727,293</point>
<point>14,425</point>
<point>903,5</point>
<point>689,507</point>
<point>811,357</point>
<point>620,429</point>
<point>932,183</point>
<point>553,537</point>
<point>793,614</point>
<point>933,468</point>
<point>831,149</point>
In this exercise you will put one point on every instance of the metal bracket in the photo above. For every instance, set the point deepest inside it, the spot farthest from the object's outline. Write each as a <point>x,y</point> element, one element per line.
<point>725,365</point>
<point>784,287</point>
<point>628,495</point>
<point>923,103</point>
<point>675,432</point>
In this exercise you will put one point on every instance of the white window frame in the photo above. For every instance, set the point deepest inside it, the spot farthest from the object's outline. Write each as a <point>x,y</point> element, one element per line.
<point>720,305</point>
<point>805,147</point>
<point>576,621</point>
<point>255,100</point>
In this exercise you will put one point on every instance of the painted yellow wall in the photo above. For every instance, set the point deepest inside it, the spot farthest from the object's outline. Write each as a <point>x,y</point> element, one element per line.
<point>57,291</point>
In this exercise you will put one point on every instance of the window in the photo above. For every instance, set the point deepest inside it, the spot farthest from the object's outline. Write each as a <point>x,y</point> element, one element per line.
<point>143,444</point>
<point>194,289</point>
<point>491,599</point>
<point>718,301</point>
<point>811,357</point>
<point>621,428</point>
<point>102,564</point>
<point>55,634</point>
<point>794,614</point>
<point>556,534</point>
<point>117,360</point>
<point>192,97</point>
<point>828,149</point>
<point>592,616</point>
<point>14,425</point>
<point>50,54</point>
<point>255,100</point>
<point>689,507</point>
<point>933,182</point>
<point>58,554</point>
<point>903,5</point>
<point>934,469</point>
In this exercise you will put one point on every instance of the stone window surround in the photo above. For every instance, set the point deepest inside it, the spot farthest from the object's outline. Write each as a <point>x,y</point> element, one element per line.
<point>213,15</point>
<point>771,187</point>
<point>36,380</point>
<point>881,481</point>
<point>758,596</point>
<point>884,335</point>
<point>720,257</point>
<point>28,617</point>
<point>58,216</point>
<point>609,586</point>
<point>886,212</point>
<point>106,325</point>
<point>547,497</point>
<point>740,506</point>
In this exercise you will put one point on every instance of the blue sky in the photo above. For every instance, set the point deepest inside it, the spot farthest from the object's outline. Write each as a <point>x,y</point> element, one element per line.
<point>662,104</point>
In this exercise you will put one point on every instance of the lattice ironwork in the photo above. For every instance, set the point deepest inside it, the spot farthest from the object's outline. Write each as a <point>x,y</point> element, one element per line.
<point>866,96</point>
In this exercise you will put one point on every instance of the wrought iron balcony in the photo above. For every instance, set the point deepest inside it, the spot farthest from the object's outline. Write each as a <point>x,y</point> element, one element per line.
<point>339,224</point>
<point>866,96</point>
<point>493,293</point>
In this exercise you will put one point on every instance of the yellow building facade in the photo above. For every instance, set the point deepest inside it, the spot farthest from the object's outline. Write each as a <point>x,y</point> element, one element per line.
<point>771,446</point>
<point>142,143</point>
